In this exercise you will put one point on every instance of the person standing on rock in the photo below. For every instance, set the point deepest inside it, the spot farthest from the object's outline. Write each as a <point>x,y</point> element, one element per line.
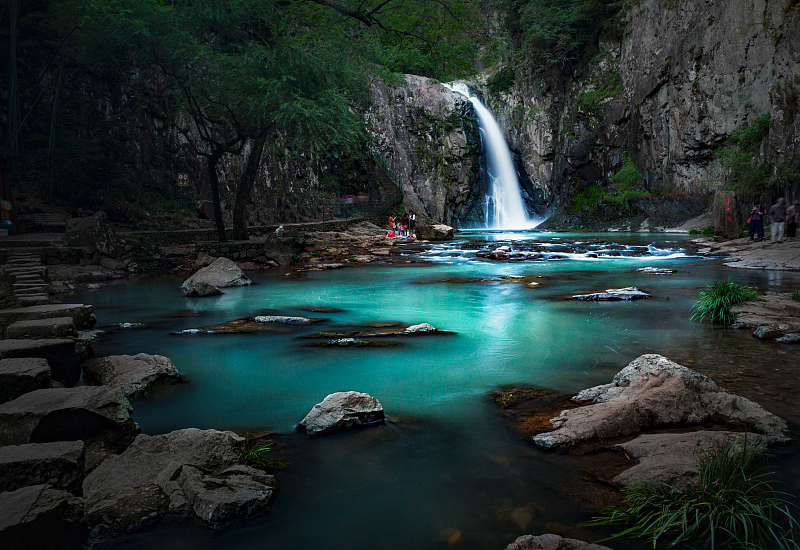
<point>791,221</point>
<point>412,221</point>
<point>777,215</point>
<point>404,224</point>
<point>392,225</point>
<point>756,221</point>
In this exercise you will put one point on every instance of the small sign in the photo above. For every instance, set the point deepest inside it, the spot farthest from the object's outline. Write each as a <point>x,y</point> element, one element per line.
<point>183,180</point>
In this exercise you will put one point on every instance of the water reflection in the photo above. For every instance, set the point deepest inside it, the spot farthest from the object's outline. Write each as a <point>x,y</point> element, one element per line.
<point>448,472</point>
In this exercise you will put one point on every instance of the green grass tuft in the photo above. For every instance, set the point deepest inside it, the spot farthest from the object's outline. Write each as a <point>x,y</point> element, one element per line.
<point>708,230</point>
<point>254,454</point>
<point>728,507</point>
<point>796,295</point>
<point>713,305</point>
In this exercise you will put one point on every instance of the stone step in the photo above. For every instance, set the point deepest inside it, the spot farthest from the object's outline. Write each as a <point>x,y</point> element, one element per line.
<point>81,314</point>
<point>25,286</point>
<point>20,376</point>
<point>34,300</point>
<point>60,353</point>
<point>32,280</point>
<point>31,292</point>
<point>17,262</point>
<point>41,269</point>
<point>37,329</point>
<point>37,289</point>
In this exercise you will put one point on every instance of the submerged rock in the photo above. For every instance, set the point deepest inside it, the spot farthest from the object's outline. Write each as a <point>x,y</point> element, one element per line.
<point>342,410</point>
<point>285,320</point>
<point>247,325</point>
<point>791,338</point>
<point>672,458</point>
<point>652,392</point>
<point>221,273</point>
<point>354,343</point>
<point>185,472</point>
<point>200,289</point>
<point>133,374</point>
<point>614,294</point>
<point>552,542</point>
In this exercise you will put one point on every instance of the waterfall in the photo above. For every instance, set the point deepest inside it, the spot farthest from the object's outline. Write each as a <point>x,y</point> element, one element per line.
<point>503,208</point>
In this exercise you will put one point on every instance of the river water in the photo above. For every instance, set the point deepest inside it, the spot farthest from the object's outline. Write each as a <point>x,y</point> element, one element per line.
<point>445,471</point>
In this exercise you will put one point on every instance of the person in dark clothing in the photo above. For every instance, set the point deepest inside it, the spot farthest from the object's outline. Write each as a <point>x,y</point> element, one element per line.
<point>791,221</point>
<point>777,218</point>
<point>757,221</point>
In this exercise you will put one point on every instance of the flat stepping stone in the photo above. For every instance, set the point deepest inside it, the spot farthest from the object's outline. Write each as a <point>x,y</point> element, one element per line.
<point>33,300</point>
<point>26,286</point>
<point>614,294</point>
<point>59,464</point>
<point>37,329</point>
<point>60,354</point>
<point>65,414</point>
<point>133,374</point>
<point>81,314</point>
<point>41,291</point>
<point>22,375</point>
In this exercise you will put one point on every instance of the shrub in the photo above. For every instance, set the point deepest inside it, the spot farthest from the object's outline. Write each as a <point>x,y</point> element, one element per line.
<point>502,81</point>
<point>590,197</point>
<point>610,85</point>
<point>728,506</point>
<point>796,295</point>
<point>709,230</point>
<point>713,305</point>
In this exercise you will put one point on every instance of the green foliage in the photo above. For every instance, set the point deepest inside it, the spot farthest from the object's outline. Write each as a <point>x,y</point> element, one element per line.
<point>588,199</point>
<point>551,32</point>
<point>750,172</point>
<point>709,230</point>
<point>254,454</point>
<point>609,85</point>
<point>713,305</point>
<point>796,295</point>
<point>502,81</point>
<point>729,506</point>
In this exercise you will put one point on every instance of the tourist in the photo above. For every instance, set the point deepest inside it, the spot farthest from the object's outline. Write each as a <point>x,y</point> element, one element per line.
<point>791,221</point>
<point>404,224</point>
<point>392,224</point>
<point>777,215</point>
<point>756,221</point>
<point>412,221</point>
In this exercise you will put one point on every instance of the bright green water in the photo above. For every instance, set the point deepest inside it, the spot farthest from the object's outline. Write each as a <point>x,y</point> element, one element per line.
<point>448,464</point>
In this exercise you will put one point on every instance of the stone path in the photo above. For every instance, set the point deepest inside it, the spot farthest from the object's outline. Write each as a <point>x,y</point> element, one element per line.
<point>28,279</point>
<point>754,255</point>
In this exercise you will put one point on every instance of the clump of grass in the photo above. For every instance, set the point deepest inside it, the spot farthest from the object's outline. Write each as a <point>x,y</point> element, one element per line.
<point>714,304</point>
<point>709,230</point>
<point>254,454</point>
<point>796,295</point>
<point>728,506</point>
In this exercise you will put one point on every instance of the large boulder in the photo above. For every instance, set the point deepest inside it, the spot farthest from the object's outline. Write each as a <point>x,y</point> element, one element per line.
<point>552,542</point>
<point>433,231</point>
<point>81,314</point>
<point>133,374</point>
<point>184,472</point>
<point>342,410</point>
<point>59,464</point>
<point>672,458</point>
<point>653,392</point>
<point>41,516</point>
<point>94,233</point>
<point>62,354</point>
<point>221,273</point>
<point>65,414</point>
<point>20,376</point>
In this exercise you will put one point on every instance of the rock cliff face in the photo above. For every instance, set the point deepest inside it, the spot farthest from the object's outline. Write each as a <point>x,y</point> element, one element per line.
<point>428,136</point>
<point>686,75</point>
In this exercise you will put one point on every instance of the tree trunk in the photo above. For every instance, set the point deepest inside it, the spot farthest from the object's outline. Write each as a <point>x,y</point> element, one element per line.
<point>214,180</point>
<point>245,188</point>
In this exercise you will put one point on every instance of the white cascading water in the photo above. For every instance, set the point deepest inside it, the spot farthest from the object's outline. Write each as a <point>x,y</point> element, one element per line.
<point>504,208</point>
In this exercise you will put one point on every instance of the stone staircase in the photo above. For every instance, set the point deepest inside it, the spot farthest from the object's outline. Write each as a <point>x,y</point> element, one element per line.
<point>28,279</point>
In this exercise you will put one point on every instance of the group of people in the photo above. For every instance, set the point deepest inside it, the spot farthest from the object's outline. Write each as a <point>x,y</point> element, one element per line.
<point>404,226</point>
<point>780,216</point>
